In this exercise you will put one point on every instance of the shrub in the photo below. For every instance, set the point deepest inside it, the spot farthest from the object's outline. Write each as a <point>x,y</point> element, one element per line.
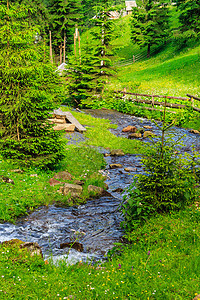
<point>168,183</point>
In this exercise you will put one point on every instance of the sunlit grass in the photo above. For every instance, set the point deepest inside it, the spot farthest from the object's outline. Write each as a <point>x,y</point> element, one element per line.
<point>161,263</point>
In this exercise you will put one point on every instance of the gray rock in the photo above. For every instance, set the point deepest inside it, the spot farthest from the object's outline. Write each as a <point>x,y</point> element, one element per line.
<point>130,169</point>
<point>129,129</point>
<point>115,166</point>
<point>195,131</point>
<point>96,189</point>
<point>135,135</point>
<point>74,190</point>
<point>116,152</point>
<point>147,127</point>
<point>148,133</point>
<point>33,248</point>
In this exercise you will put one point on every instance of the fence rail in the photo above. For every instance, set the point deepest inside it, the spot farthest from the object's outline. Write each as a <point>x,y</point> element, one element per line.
<point>152,101</point>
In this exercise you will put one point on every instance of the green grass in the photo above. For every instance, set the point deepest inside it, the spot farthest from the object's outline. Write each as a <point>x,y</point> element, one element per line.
<point>176,76</point>
<point>98,135</point>
<point>83,162</point>
<point>161,263</point>
<point>29,192</point>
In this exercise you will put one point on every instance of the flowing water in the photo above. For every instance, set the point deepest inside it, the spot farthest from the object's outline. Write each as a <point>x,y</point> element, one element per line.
<point>96,225</point>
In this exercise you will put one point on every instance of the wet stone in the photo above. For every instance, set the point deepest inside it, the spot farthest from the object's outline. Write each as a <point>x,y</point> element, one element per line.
<point>195,131</point>
<point>76,245</point>
<point>130,169</point>
<point>116,152</point>
<point>148,133</point>
<point>135,135</point>
<point>148,127</point>
<point>115,166</point>
<point>129,129</point>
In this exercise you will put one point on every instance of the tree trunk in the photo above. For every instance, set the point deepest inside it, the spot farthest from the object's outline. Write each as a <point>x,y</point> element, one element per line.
<point>50,45</point>
<point>64,48</point>
<point>148,50</point>
<point>60,54</point>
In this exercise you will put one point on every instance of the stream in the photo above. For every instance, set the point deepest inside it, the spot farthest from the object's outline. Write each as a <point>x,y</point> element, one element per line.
<point>96,225</point>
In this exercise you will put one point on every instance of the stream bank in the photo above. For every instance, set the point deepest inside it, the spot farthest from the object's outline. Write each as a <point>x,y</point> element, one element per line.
<point>96,225</point>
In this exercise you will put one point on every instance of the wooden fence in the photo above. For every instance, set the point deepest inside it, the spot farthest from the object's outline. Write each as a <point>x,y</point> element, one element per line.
<point>154,102</point>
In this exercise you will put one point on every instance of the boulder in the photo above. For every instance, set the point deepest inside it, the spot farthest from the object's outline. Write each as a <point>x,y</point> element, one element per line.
<point>76,245</point>
<point>115,166</point>
<point>54,182</point>
<point>116,152</point>
<point>195,131</point>
<point>106,154</point>
<point>74,190</point>
<point>118,190</point>
<point>147,127</point>
<point>32,248</point>
<point>66,127</point>
<point>79,182</point>
<point>129,129</point>
<point>135,135</point>
<point>130,169</point>
<point>63,175</point>
<point>148,133</point>
<point>96,189</point>
<point>7,180</point>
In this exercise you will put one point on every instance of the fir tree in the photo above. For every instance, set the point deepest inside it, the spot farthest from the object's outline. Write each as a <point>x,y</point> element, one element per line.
<point>64,15</point>
<point>150,24</point>
<point>189,15</point>
<point>102,36</point>
<point>28,89</point>
<point>82,76</point>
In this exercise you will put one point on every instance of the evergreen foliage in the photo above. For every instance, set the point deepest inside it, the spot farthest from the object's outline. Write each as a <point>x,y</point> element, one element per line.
<point>82,74</point>
<point>169,182</point>
<point>28,89</point>
<point>189,16</point>
<point>89,73</point>
<point>150,24</point>
<point>64,15</point>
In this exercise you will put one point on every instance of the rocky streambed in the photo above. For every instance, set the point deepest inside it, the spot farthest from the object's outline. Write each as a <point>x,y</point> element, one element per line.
<point>94,226</point>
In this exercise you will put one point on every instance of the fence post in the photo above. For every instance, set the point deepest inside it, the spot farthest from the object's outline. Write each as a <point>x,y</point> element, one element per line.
<point>152,101</point>
<point>124,92</point>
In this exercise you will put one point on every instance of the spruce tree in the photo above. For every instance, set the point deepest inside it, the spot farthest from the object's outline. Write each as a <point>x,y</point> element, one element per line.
<point>102,36</point>
<point>64,15</point>
<point>150,24</point>
<point>81,75</point>
<point>28,89</point>
<point>189,15</point>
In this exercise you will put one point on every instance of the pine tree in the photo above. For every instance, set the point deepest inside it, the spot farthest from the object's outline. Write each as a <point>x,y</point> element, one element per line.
<point>28,89</point>
<point>150,24</point>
